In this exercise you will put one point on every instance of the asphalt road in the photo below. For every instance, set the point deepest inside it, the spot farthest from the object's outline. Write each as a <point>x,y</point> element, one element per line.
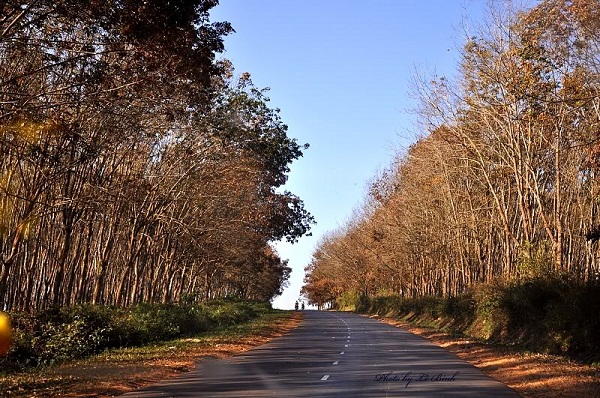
<point>335,354</point>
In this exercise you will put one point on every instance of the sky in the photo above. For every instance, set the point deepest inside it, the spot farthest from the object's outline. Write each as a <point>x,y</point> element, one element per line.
<point>341,72</point>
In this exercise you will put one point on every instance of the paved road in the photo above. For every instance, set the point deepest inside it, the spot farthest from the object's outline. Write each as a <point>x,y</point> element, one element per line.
<point>335,354</point>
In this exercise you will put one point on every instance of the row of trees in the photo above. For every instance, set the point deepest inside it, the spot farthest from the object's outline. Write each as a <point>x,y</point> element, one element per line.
<point>134,166</point>
<point>503,182</point>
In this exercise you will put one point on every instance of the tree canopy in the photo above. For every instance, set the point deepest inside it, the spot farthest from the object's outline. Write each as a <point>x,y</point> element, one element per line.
<point>134,165</point>
<point>502,184</point>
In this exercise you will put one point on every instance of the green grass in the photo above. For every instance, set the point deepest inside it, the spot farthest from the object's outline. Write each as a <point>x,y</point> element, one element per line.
<point>62,334</point>
<point>121,365</point>
<point>222,335</point>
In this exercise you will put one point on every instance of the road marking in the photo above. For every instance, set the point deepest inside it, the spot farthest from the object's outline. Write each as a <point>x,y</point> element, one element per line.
<point>336,362</point>
<point>325,377</point>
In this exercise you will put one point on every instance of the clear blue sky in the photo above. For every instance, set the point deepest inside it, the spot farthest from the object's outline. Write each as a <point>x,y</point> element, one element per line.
<point>340,71</point>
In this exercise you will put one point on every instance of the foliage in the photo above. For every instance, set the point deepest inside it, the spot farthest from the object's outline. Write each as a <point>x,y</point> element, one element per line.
<point>545,314</point>
<point>52,382</point>
<point>348,301</point>
<point>533,261</point>
<point>134,166</point>
<point>65,333</point>
<point>497,198</point>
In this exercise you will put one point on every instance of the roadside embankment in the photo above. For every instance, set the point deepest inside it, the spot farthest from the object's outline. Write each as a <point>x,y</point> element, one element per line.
<point>539,336</point>
<point>115,371</point>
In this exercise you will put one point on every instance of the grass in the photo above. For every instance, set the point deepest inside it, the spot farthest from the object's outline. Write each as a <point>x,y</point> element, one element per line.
<point>60,334</point>
<point>116,371</point>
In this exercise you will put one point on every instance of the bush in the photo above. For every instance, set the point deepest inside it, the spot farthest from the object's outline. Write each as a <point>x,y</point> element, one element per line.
<point>59,334</point>
<point>550,314</point>
<point>348,301</point>
<point>490,318</point>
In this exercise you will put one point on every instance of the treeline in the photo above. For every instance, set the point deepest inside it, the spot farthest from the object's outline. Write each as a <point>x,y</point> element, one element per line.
<point>503,184</point>
<point>134,165</point>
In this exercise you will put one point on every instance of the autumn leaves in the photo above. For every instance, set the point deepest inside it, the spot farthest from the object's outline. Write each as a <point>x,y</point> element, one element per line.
<point>503,183</point>
<point>134,166</point>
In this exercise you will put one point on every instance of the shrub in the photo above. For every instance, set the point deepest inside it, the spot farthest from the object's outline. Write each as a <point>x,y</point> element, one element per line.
<point>550,314</point>
<point>348,301</point>
<point>59,334</point>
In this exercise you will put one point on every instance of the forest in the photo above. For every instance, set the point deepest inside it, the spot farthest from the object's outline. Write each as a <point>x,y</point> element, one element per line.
<point>136,165</point>
<point>502,186</point>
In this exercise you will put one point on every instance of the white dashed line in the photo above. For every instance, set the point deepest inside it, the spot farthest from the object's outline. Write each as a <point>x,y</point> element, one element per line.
<point>325,377</point>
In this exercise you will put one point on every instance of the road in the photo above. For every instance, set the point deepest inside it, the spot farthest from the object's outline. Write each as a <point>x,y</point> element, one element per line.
<point>335,354</point>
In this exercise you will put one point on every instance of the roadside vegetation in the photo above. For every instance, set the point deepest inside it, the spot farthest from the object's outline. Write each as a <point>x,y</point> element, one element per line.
<point>67,333</point>
<point>118,370</point>
<point>547,315</point>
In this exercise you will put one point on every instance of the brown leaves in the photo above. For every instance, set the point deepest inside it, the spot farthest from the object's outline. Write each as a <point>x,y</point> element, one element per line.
<point>508,160</point>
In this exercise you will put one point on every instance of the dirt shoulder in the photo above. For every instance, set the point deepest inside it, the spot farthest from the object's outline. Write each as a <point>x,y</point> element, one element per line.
<point>531,375</point>
<point>117,372</point>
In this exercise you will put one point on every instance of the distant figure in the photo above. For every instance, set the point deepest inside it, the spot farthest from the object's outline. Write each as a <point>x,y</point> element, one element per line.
<point>296,306</point>
<point>303,306</point>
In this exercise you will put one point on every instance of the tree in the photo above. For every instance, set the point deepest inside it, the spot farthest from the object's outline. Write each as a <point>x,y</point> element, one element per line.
<point>502,183</point>
<point>132,168</point>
